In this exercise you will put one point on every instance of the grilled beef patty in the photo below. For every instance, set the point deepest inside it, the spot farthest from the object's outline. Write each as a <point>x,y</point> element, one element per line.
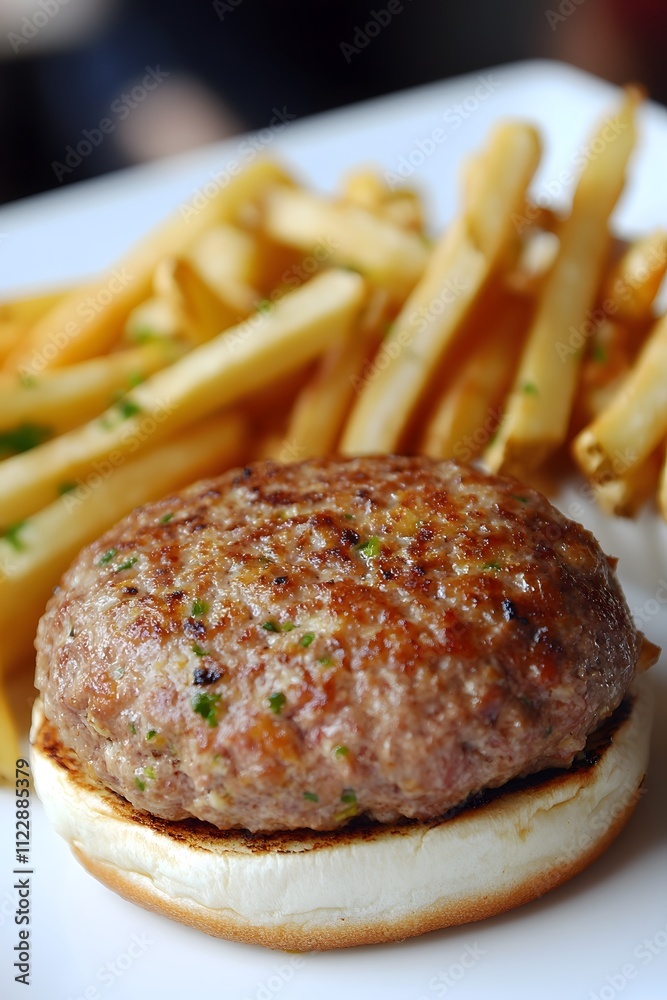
<point>290,646</point>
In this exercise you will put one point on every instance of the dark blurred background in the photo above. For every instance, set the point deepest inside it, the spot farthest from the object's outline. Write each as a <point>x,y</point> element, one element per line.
<point>170,75</point>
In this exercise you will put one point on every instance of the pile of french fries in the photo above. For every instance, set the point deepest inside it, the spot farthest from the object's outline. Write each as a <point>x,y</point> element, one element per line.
<point>275,322</point>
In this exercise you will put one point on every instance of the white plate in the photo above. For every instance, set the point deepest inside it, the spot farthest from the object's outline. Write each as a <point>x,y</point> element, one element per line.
<point>602,935</point>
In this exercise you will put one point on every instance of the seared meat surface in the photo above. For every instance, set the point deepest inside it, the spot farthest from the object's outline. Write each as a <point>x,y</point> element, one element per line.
<point>290,646</point>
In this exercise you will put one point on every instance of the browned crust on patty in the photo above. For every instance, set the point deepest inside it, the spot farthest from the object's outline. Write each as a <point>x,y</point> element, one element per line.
<point>291,646</point>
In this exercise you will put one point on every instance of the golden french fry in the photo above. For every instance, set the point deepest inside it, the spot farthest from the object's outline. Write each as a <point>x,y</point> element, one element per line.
<point>538,409</point>
<point>274,400</point>
<point>534,217</point>
<point>226,257</point>
<point>383,253</point>
<point>203,313</point>
<point>539,251</point>
<point>11,332</point>
<point>459,268</point>
<point>233,365</point>
<point>17,315</point>
<point>662,488</point>
<point>604,369</point>
<point>62,398</point>
<point>9,741</point>
<point>28,308</point>
<point>156,319</point>
<point>632,284</point>
<point>281,268</point>
<point>270,445</point>
<point>635,422</point>
<point>320,409</point>
<point>90,319</point>
<point>42,549</point>
<point>625,495</point>
<point>406,211</point>
<point>364,187</point>
<point>468,413</point>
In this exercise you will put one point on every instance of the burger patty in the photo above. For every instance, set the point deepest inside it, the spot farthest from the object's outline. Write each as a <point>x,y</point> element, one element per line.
<point>292,645</point>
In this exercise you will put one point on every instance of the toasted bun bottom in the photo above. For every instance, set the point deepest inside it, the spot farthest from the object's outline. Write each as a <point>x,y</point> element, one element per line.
<point>303,890</point>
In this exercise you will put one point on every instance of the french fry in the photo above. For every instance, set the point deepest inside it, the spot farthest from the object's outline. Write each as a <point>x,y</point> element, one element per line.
<point>534,217</point>
<point>364,187</point>
<point>9,741</point>
<point>625,495</point>
<point>604,369</point>
<point>632,284</point>
<point>635,422</point>
<point>468,413</point>
<point>538,410</point>
<point>539,250</point>
<point>319,410</point>
<point>203,313</point>
<point>403,207</point>
<point>17,315</point>
<point>459,268</point>
<point>90,319</point>
<point>158,318</point>
<point>28,308</point>
<point>48,542</point>
<point>383,253</point>
<point>662,489</point>
<point>274,401</point>
<point>11,332</point>
<point>226,257</point>
<point>406,211</point>
<point>65,397</point>
<point>233,365</point>
<point>281,268</point>
<point>270,446</point>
